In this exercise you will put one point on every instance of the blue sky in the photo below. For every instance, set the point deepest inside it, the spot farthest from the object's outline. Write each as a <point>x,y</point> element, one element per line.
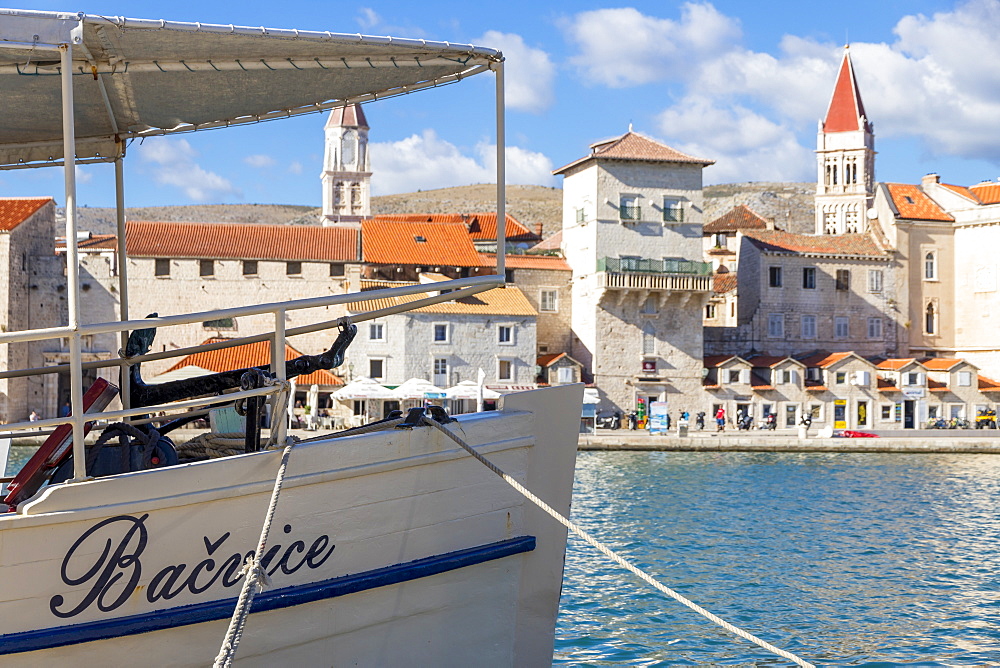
<point>741,83</point>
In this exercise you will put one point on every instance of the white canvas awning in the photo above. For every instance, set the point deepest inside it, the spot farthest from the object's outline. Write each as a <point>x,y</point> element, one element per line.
<point>467,389</point>
<point>417,388</point>
<point>363,388</point>
<point>136,77</point>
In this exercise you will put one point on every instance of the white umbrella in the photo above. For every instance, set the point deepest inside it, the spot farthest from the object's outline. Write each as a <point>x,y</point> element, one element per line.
<point>416,388</point>
<point>363,388</point>
<point>590,396</point>
<point>468,389</point>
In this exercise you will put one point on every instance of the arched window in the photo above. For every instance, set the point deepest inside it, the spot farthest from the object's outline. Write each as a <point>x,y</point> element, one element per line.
<point>930,319</point>
<point>649,307</point>
<point>930,265</point>
<point>648,339</point>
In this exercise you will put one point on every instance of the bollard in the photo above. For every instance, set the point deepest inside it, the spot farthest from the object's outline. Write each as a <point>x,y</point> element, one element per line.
<point>682,428</point>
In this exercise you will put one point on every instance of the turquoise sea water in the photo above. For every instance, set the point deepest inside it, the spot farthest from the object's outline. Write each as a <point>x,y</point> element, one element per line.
<point>845,560</point>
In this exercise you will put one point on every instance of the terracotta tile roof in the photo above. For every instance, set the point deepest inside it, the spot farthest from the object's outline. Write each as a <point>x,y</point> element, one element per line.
<point>223,241</point>
<point>823,360</point>
<point>988,385</point>
<point>896,363</point>
<point>711,361</point>
<point>507,301</point>
<point>634,146</point>
<point>913,204</point>
<point>828,244</point>
<point>399,243</point>
<point>551,262</point>
<point>16,210</point>
<point>740,217</point>
<point>723,283</point>
<point>815,386</point>
<point>765,361</point>
<point>846,107</point>
<point>963,191</point>
<point>940,363</point>
<point>553,242</point>
<point>480,226</point>
<point>721,251</point>
<point>546,360</point>
<point>250,354</point>
<point>95,242</point>
<point>987,192</point>
<point>886,386</point>
<point>936,386</point>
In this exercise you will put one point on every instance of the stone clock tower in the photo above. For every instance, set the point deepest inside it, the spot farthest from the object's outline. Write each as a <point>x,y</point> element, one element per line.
<point>346,171</point>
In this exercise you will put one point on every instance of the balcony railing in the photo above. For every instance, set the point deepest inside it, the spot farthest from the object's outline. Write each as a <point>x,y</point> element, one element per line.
<point>632,212</point>
<point>628,265</point>
<point>642,274</point>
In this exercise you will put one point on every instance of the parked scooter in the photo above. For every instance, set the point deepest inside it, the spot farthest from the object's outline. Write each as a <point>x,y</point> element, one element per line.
<point>771,422</point>
<point>633,420</point>
<point>699,420</point>
<point>744,422</point>
<point>611,421</point>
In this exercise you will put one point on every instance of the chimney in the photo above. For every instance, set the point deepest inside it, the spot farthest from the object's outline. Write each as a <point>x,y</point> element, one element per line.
<point>769,222</point>
<point>929,179</point>
<point>538,230</point>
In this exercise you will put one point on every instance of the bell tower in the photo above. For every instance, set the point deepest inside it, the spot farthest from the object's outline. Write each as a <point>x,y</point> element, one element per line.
<point>346,170</point>
<point>845,158</point>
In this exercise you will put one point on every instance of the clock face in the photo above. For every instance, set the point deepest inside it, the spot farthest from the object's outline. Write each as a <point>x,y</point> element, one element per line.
<point>350,148</point>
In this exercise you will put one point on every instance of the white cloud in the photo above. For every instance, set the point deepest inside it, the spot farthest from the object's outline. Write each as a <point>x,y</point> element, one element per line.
<point>937,82</point>
<point>295,167</point>
<point>623,47</point>
<point>425,161</point>
<point>83,175</point>
<point>745,145</point>
<point>174,165</point>
<point>372,23</point>
<point>529,74</point>
<point>259,160</point>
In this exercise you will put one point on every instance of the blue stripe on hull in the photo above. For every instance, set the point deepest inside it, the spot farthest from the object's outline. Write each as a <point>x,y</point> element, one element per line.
<point>28,641</point>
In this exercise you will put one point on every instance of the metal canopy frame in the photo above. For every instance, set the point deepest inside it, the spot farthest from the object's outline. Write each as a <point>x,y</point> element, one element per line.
<point>104,66</point>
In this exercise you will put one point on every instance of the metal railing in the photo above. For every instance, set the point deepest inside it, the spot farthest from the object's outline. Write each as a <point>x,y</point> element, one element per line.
<point>625,265</point>
<point>630,212</point>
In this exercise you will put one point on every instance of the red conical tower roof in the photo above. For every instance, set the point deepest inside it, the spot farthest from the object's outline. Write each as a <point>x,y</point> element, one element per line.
<point>846,109</point>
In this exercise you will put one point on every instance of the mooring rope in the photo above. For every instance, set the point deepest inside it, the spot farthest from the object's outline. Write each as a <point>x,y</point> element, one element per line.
<point>621,561</point>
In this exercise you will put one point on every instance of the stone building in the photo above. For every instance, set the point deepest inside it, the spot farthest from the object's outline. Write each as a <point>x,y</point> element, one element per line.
<point>632,235</point>
<point>448,343</point>
<point>33,296</point>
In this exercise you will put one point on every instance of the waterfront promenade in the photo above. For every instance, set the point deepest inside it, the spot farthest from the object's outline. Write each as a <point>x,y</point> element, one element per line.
<point>922,441</point>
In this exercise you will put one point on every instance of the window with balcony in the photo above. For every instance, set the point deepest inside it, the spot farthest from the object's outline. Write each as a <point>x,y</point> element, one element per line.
<point>673,210</point>
<point>629,208</point>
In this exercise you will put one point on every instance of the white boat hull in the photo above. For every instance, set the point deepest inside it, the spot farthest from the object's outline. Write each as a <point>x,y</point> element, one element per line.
<point>395,548</point>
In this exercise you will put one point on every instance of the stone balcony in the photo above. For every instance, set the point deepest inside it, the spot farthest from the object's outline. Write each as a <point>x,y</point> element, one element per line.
<point>640,274</point>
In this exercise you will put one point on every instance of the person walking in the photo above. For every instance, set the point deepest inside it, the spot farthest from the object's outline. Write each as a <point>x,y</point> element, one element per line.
<point>720,419</point>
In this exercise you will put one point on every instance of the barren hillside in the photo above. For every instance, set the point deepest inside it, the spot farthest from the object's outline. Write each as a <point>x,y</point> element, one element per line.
<point>790,204</point>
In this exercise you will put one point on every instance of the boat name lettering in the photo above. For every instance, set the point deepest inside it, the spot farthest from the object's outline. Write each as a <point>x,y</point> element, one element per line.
<point>108,559</point>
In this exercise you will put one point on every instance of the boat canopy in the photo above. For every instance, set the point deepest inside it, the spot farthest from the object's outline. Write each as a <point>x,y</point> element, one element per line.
<point>136,78</point>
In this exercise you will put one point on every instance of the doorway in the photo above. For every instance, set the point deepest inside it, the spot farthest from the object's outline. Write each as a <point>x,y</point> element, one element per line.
<point>908,414</point>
